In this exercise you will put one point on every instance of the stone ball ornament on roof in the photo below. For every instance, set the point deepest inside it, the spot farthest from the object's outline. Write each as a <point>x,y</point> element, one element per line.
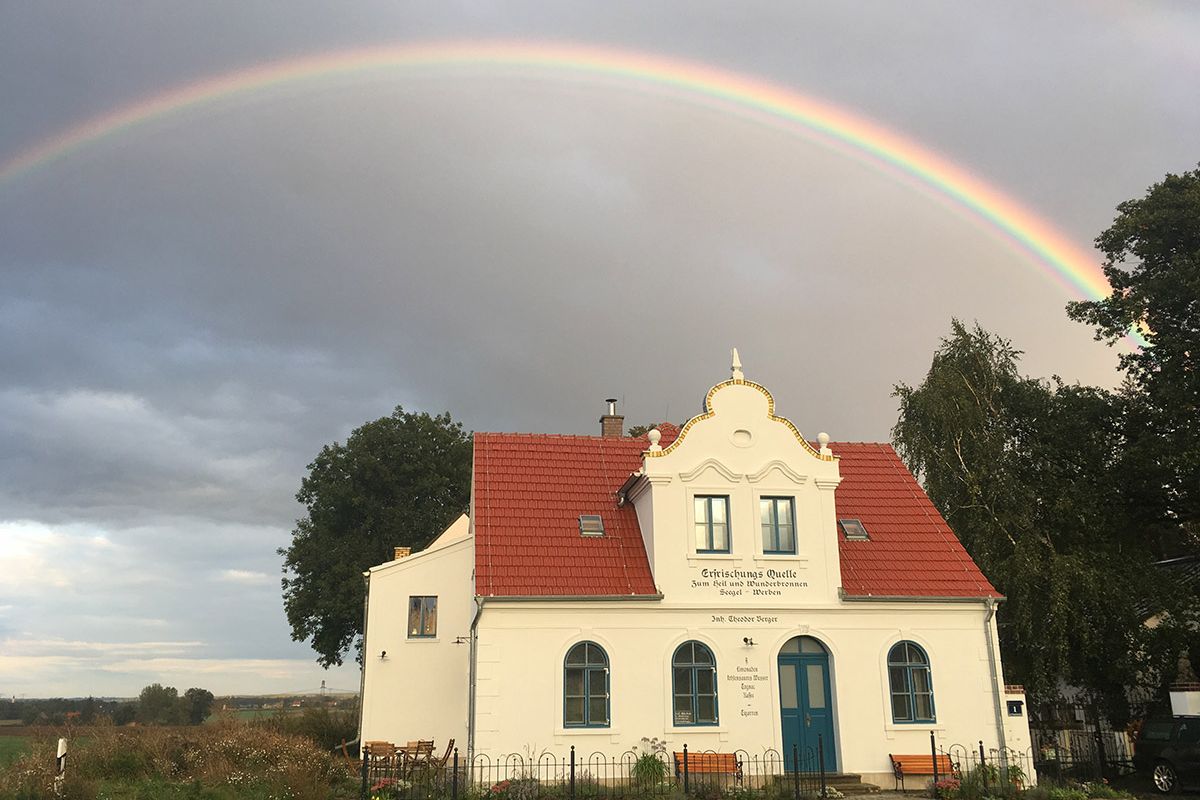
<point>654,435</point>
<point>823,442</point>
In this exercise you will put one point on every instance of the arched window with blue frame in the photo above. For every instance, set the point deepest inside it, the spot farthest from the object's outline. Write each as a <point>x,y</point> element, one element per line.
<point>911,683</point>
<point>585,687</point>
<point>694,685</point>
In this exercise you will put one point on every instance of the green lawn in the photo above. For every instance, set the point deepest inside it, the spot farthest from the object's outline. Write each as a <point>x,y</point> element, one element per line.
<point>11,747</point>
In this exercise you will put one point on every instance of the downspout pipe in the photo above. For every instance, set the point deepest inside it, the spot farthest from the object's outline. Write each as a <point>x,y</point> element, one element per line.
<point>472,674</point>
<point>362,672</point>
<point>992,668</point>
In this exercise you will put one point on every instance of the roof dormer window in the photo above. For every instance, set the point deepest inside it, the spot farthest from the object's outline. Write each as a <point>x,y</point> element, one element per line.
<point>853,530</point>
<point>591,525</point>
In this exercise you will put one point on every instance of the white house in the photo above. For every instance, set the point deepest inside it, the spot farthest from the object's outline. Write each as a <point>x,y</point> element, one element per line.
<point>728,584</point>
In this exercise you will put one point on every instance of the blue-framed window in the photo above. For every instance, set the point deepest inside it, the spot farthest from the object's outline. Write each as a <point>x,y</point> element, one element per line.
<point>585,687</point>
<point>911,684</point>
<point>422,617</point>
<point>694,685</point>
<point>712,523</point>
<point>778,516</point>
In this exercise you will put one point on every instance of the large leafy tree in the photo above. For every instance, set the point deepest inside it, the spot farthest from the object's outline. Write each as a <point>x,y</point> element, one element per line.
<point>197,705</point>
<point>159,705</point>
<point>1152,261</point>
<point>1024,471</point>
<point>396,481</point>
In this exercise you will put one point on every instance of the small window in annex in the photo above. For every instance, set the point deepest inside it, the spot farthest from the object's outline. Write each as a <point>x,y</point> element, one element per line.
<point>585,687</point>
<point>694,685</point>
<point>778,516</point>
<point>422,617</point>
<point>712,523</point>
<point>911,684</point>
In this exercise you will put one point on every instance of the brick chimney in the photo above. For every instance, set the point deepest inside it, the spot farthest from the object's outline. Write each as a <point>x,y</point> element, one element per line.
<point>402,552</point>
<point>612,425</point>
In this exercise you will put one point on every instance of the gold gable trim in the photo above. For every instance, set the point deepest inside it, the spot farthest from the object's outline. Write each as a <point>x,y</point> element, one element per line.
<point>708,412</point>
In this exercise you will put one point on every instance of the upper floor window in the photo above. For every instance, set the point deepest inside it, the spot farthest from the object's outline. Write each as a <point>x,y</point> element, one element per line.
<point>911,684</point>
<point>712,523</point>
<point>778,516</point>
<point>422,617</point>
<point>585,687</point>
<point>694,685</point>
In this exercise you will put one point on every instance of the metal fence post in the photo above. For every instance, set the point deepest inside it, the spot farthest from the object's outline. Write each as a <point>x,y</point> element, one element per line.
<point>571,773</point>
<point>454,778</point>
<point>795,772</point>
<point>1058,758</point>
<point>686,785</point>
<point>934,754</point>
<point>821,760</point>
<point>366,757</point>
<point>983,765</point>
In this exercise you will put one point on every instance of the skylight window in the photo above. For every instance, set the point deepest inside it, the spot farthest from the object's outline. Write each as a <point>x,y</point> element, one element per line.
<point>591,525</point>
<point>853,530</point>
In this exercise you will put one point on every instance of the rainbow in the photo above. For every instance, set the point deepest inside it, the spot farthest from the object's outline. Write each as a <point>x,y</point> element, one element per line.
<point>1060,259</point>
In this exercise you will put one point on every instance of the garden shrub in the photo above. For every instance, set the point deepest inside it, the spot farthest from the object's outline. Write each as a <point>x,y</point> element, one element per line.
<point>1065,793</point>
<point>326,727</point>
<point>704,787</point>
<point>650,768</point>
<point>1101,789</point>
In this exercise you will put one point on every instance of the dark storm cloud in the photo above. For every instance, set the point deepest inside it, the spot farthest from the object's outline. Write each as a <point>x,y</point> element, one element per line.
<point>191,309</point>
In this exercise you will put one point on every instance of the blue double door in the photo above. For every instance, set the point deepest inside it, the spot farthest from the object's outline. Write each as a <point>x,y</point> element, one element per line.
<point>806,704</point>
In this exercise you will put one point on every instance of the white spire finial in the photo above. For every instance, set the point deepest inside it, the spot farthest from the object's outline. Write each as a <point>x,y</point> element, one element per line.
<point>736,369</point>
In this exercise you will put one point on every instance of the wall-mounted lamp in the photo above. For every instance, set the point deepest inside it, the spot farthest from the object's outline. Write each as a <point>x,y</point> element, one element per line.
<point>748,641</point>
<point>382,655</point>
<point>460,640</point>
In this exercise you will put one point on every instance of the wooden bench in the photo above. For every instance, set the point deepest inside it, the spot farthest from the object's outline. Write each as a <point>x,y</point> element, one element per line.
<point>709,764</point>
<point>921,765</point>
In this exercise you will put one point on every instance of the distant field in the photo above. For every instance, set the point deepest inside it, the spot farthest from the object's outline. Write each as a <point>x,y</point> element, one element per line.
<point>11,747</point>
<point>251,714</point>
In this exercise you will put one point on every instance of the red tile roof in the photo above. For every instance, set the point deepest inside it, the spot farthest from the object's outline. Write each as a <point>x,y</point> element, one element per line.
<point>912,552</point>
<point>531,488</point>
<point>529,492</point>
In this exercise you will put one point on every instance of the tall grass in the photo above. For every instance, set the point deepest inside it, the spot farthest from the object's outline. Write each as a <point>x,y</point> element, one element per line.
<point>225,760</point>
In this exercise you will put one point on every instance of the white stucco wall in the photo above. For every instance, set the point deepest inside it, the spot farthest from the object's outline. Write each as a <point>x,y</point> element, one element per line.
<point>522,646</point>
<point>419,691</point>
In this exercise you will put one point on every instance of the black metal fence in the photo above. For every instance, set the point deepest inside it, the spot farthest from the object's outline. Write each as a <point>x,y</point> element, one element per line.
<point>1066,756</point>
<point>1073,742</point>
<point>1056,761</point>
<point>995,772</point>
<point>705,775</point>
<point>709,775</point>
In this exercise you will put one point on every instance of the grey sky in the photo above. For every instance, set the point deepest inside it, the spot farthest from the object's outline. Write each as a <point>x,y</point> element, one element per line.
<point>189,310</point>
